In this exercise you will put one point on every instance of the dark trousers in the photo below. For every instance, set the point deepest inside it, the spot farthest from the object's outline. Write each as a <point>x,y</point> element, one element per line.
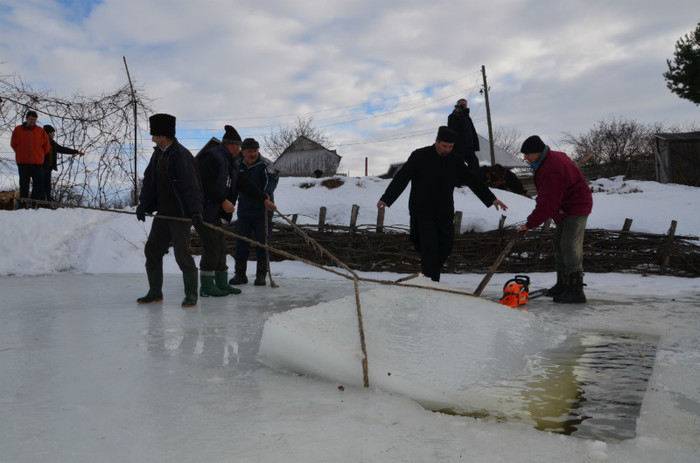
<point>214,250</point>
<point>35,174</point>
<point>433,238</point>
<point>47,184</point>
<point>162,233</point>
<point>249,226</point>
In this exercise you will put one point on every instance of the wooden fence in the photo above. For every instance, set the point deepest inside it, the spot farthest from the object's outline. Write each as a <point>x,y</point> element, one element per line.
<point>387,248</point>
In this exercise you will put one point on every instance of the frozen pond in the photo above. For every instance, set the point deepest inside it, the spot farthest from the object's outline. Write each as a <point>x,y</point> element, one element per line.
<point>89,375</point>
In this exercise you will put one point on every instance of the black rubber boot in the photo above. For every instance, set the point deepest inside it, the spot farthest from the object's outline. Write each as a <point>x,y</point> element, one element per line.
<point>209,287</point>
<point>260,273</point>
<point>559,287</point>
<point>574,290</point>
<point>221,280</point>
<point>155,287</point>
<point>191,283</point>
<point>239,277</point>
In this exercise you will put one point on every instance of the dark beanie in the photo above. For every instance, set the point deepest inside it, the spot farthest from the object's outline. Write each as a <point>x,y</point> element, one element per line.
<point>163,125</point>
<point>250,143</point>
<point>231,136</point>
<point>446,134</point>
<point>49,129</point>
<point>533,144</point>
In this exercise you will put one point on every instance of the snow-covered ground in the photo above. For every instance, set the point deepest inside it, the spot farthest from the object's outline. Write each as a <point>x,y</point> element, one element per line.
<point>89,375</point>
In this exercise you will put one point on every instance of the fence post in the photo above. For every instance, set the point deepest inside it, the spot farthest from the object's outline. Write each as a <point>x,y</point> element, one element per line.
<point>628,224</point>
<point>458,222</point>
<point>540,242</point>
<point>380,219</point>
<point>353,217</point>
<point>294,218</point>
<point>322,219</point>
<point>666,250</point>
<point>501,222</point>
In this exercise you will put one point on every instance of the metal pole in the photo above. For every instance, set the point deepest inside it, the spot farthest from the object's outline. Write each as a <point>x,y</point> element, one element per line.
<point>488,116</point>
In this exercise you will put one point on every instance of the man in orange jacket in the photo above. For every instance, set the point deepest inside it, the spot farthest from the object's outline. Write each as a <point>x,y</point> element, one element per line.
<point>30,144</point>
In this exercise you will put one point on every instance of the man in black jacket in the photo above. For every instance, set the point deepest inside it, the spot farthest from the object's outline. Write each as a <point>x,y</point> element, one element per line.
<point>221,183</point>
<point>50,161</point>
<point>171,186</point>
<point>434,172</point>
<point>467,141</point>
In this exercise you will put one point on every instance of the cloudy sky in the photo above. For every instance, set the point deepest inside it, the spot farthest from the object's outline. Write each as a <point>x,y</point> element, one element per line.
<point>378,77</point>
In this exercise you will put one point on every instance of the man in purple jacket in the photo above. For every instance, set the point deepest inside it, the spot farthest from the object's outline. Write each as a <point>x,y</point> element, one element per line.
<point>564,196</point>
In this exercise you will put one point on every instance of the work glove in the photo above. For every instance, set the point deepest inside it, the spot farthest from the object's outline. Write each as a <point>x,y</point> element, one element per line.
<point>197,220</point>
<point>141,212</point>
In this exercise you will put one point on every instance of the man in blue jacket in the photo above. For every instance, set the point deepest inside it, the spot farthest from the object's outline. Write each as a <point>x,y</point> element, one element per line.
<point>221,183</point>
<point>251,212</point>
<point>171,187</point>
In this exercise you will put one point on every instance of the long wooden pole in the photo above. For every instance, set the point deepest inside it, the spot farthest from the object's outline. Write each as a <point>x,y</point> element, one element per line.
<point>135,199</point>
<point>488,116</point>
<point>496,264</point>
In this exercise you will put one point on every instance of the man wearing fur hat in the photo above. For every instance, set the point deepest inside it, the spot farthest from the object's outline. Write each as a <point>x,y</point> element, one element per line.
<point>564,196</point>
<point>434,172</point>
<point>251,212</point>
<point>171,186</point>
<point>221,183</point>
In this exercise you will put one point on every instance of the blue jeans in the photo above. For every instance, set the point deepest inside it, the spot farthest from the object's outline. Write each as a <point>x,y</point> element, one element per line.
<point>249,226</point>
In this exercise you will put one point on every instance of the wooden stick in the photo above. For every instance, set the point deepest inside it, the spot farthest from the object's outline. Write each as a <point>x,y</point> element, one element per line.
<point>496,264</point>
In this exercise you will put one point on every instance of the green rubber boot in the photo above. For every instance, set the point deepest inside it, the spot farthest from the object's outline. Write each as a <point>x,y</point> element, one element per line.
<point>190,280</point>
<point>209,287</point>
<point>155,287</point>
<point>221,280</point>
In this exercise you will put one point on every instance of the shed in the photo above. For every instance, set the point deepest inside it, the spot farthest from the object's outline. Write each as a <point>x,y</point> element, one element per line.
<point>306,158</point>
<point>678,158</point>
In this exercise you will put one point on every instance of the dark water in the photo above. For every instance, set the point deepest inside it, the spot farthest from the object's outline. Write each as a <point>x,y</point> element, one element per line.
<point>609,373</point>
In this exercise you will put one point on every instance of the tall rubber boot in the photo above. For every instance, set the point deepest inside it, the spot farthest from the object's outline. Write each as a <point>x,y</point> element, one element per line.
<point>574,290</point>
<point>155,287</point>
<point>221,280</point>
<point>191,283</point>
<point>260,273</point>
<point>239,277</point>
<point>559,287</point>
<point>209,287</point>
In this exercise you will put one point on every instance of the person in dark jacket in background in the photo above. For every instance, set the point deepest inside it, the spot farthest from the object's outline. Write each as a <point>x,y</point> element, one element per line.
<point>50,161</point>
<point>30,144</point>
<point>467,141</point>
<point>220,183</point>
<point>434,173</point>
<point>251,212</point>
<point>564,196</point>
<point>171,186</point>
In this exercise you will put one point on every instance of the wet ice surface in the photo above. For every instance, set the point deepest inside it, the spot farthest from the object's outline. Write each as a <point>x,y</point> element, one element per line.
<point>89,375</point>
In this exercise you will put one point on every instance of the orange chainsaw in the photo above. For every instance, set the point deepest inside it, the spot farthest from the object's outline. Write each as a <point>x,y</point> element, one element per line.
<point>516,291</point>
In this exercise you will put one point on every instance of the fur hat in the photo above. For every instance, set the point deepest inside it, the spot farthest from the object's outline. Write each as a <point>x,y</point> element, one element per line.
<point>446,134</point>
<point>249,144</point>
<point>162,124</point>
<point>49,129</point>
<point>532,144</point>
<point>231,136</point>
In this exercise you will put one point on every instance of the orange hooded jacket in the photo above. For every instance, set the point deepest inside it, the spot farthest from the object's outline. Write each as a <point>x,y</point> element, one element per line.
<point>30,144</point>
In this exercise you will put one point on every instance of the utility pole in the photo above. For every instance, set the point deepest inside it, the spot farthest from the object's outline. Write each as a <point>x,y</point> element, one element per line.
<point>488,115</point>
<point>135,199</point>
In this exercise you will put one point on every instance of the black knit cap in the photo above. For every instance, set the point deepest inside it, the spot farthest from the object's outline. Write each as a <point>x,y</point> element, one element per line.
<point>250,143</point>
<point>162,125</point>
<point>446,134</point>
<point>532,144</point>
<point>231,136</point>
<point>49,129</point>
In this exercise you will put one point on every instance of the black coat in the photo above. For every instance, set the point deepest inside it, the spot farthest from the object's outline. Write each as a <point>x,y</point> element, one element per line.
<point>220,181</point>
<point>467,143</point>
<point>50,158</point>
<point>183,178</point>
<point>433,179</point>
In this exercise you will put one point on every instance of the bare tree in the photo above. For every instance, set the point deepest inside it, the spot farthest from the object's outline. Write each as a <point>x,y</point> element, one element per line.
<point>507,139</point>
<point>277,142</point>
<point>100,126</point>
